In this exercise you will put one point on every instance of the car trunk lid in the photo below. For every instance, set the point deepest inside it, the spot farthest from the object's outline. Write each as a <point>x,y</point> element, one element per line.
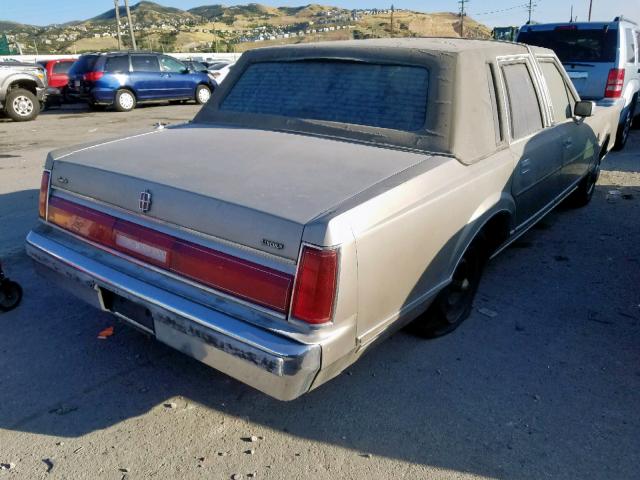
<point>251,187</point>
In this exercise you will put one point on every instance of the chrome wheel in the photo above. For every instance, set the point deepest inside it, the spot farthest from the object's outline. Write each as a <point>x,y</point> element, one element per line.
<point>203,95</point>
<point>22,106</point>
<point>126,100</point>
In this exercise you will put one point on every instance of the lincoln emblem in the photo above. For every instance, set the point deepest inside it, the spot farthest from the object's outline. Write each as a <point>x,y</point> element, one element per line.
<point>144,201</point>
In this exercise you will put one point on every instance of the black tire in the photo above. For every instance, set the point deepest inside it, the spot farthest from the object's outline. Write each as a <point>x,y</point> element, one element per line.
<point>124,101</point>
<point>203,94</point>
<point>10,295</point>
<point>454,302</point>
<point>584,193</point>
<point>21,105</point>
<point>625,127</point>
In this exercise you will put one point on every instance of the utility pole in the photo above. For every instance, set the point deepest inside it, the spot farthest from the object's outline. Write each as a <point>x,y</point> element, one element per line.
<point>133,38</point>
<point>590,6</point>
<point>571,16</point>
<point>117,5</point>
<point>530,10</point>
<point>462,14</point>
<point>392,20</point>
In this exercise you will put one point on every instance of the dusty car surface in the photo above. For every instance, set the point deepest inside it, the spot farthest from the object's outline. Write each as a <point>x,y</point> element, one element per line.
<point>355,187</point>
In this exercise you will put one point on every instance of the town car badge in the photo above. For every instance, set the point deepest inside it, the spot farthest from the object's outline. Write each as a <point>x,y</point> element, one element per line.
<point>144,201</point>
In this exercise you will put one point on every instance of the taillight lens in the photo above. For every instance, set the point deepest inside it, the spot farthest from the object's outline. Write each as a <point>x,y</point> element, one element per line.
<point>315,287</point>
<point>247,280</point>
<point>93,76</point>
<point>615,83</point>
<point>44,194</point>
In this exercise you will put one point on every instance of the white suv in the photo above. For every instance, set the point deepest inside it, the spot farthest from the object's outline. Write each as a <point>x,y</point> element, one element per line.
<point>601,58</point>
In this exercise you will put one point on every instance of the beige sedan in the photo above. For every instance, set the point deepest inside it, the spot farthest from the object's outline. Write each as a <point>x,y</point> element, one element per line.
<point>354,187</point>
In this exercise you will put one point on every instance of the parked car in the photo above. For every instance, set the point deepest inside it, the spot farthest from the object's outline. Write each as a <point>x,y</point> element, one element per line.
<point>58,79</point>
<point>602,59</point>
<point>124,79</point>
<point>23,90</point>
<point>195,66</point>
<point>219,71</point>
<point>331,213</point>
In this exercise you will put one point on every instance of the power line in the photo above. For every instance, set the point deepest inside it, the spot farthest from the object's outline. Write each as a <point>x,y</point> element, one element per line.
<point>501,10</point>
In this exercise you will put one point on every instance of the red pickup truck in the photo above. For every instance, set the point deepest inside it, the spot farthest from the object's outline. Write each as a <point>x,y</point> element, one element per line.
<point>57,75</point>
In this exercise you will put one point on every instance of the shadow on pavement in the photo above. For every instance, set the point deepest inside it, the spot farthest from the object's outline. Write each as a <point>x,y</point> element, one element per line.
<point>546,387</point>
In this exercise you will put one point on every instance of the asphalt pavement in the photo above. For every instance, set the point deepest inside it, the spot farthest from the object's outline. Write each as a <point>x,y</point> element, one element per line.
<point>542,381</point>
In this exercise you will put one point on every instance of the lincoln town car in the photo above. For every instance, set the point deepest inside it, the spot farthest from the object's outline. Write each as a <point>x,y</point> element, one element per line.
<point>355,188</point>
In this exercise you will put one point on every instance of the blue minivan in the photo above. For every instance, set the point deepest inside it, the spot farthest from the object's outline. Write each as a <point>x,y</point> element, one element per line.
<point>124,79</point>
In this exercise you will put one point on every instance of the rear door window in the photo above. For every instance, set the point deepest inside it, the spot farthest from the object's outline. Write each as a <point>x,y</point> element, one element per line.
<point>561,97</point>
<point>631,47</point>
<point>62,67</point>
<point>376,95</point>
<point>144,63</point>
<point>524,106</point>
<point>573,44</point>
<point>117,64</point>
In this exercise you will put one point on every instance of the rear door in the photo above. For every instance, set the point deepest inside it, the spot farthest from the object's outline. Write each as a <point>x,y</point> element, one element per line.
<point>578,142</point>
<point>146,78</point>
<point>536,148</point>
<point>629,59</point>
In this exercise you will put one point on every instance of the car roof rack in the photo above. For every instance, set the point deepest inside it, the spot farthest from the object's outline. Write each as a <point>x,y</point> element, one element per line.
<point>621,18</point>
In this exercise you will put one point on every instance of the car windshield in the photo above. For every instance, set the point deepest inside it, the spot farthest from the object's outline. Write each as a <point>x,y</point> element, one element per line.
<point>377,95</point>
<point>575,44</point>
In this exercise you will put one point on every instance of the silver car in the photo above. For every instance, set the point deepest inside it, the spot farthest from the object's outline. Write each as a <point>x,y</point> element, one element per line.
<point>355,187</point>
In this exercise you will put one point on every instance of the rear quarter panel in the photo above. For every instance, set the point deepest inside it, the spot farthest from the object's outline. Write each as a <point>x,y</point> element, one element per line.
<point>409,238</point>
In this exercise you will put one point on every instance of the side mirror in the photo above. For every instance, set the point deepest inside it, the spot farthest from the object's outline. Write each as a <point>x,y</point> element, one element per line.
<point>584,108</point>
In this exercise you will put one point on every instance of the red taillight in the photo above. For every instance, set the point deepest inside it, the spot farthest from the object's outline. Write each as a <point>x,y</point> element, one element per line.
<point>93,76</point>
<point>90,224</point>
<point>615,83</point>
<point>44,195</point>
<point>315,286</point>
<point>258,284</point>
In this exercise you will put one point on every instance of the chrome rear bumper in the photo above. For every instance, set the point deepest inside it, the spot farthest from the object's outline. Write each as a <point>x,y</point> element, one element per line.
<point>275,365</point>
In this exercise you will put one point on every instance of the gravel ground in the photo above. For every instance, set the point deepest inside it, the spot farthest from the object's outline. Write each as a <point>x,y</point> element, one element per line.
<point>542,381</point>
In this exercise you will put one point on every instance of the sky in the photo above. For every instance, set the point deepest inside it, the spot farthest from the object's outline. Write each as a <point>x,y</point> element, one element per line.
<point>490,12</point>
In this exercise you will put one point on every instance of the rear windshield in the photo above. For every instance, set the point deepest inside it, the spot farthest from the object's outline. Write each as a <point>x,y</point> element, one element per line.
<point>84,64</point>
<point>386,96</point>
<point>576,45</point>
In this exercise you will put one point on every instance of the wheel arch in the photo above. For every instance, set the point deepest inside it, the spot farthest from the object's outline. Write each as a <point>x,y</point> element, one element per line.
<point>23,82</point>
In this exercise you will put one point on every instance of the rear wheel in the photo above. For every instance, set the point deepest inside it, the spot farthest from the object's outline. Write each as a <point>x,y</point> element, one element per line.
<point>583,194</point>
<point>22,105</point>
<point>203,94</point>
<point>10,295</point>
<point>125,101</point>
<point>625,127</point>
<point>453,304</point>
